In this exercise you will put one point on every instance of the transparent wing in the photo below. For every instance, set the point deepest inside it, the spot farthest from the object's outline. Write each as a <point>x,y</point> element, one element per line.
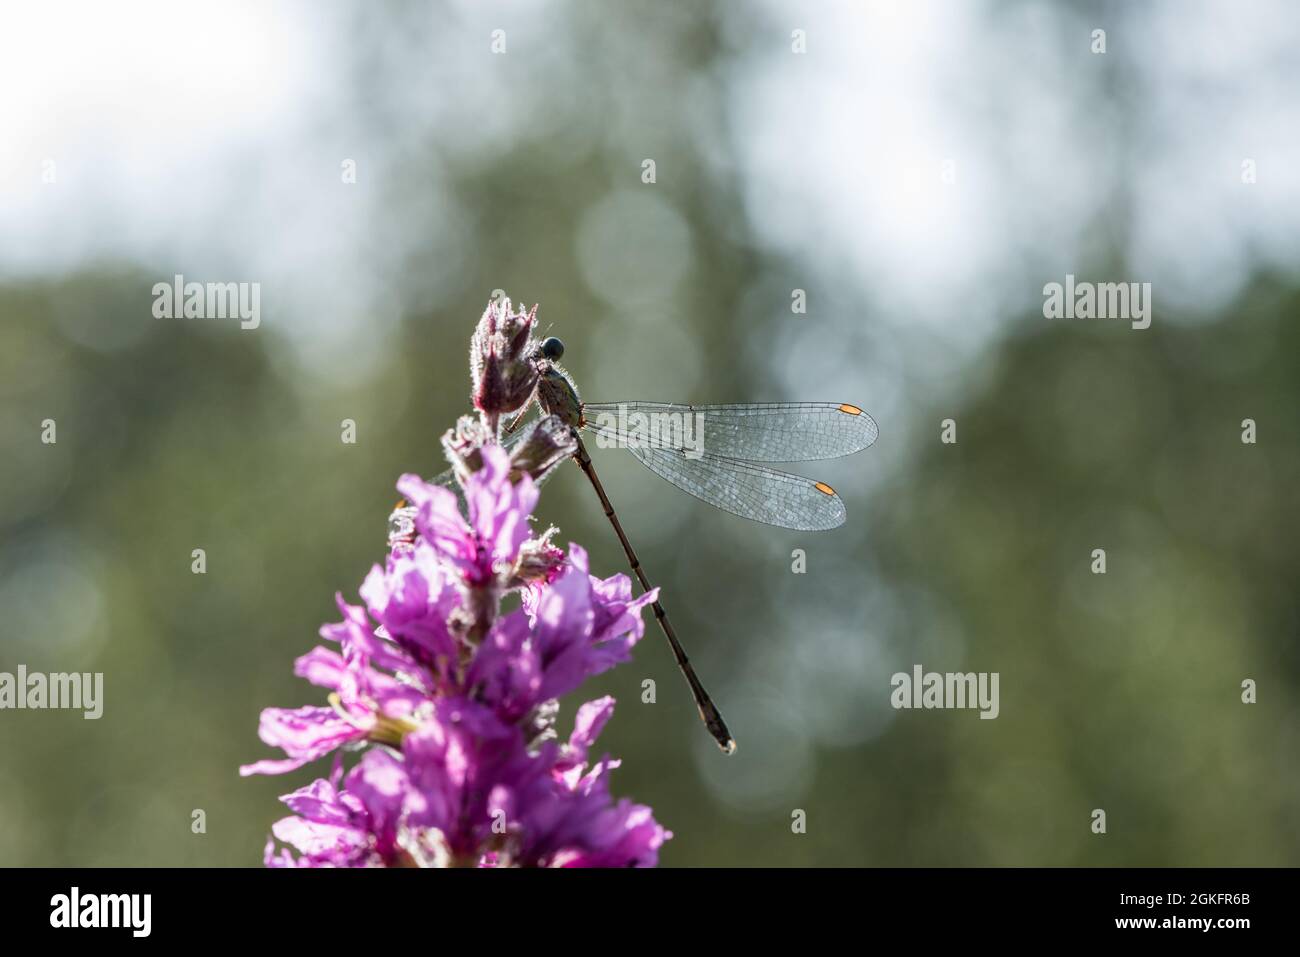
<point>753,432</point>
<point>750,491</point>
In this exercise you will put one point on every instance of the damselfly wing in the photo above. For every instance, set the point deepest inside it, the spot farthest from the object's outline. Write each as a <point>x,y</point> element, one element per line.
<point>722,463</point>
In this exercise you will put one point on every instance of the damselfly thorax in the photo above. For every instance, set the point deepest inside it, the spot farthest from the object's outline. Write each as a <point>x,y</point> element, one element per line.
<point>557,395</point>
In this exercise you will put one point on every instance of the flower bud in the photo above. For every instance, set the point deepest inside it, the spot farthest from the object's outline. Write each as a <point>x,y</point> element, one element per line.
<point>463,446</point>
<point>545,444</point>
<point>539,561</point>
<point>542,446</point>
<point>401,527</point>
<point>500,359</point>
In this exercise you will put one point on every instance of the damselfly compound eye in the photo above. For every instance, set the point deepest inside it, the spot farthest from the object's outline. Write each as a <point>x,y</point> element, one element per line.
<point>552,348</point>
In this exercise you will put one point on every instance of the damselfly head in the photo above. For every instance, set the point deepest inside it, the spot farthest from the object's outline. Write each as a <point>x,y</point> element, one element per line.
<point>552,348</point>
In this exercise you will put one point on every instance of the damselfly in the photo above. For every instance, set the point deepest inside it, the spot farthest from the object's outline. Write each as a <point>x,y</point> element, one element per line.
<point>716,453</point>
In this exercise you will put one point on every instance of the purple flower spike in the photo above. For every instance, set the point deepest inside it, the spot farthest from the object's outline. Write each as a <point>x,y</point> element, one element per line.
<point>445,709</point>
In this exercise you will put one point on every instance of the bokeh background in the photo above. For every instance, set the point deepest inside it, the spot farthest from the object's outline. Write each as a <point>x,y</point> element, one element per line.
<point>921,171</point>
